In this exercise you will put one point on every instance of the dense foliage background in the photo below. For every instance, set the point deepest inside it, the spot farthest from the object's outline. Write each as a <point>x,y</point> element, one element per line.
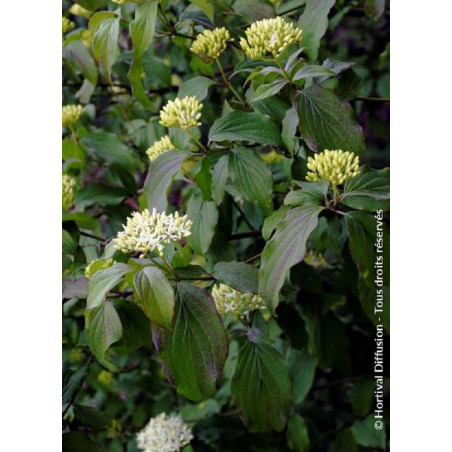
<point>123,63</point>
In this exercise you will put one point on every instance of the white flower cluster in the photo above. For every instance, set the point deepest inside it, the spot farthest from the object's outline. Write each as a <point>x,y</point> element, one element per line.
<point>146,232</point>
<point>210,44</point>
<point>164,433</point>
<point>230,301</point>
<point>269,36</point>
<point>159,147</point>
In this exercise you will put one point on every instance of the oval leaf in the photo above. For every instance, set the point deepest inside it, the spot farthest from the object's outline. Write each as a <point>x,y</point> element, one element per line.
<point>284,250</point>
<point>327,122</point>
<point>195,353</point>
<point>156,296</point>
<point>238,275</point>
<point>261,387</point>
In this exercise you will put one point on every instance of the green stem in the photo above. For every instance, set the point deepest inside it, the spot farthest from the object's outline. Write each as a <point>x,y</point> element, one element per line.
<point>228,83</point>
<point>336,194</point>
<point>200,145</point>
<point>286,75</point>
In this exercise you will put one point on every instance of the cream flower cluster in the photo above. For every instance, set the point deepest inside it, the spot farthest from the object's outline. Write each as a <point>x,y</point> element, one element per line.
<point>71,114</point>
<point>68,191</point>
<point>334,166</point>
<point>230,301</point>
<point>68,25</point>
<point>269,36</point>
<point>164,433</point>
<point>97,265</point>
<point>211,43</point>
<point>78,10</point>
<point>315,260</point>
<point>182,113</point>
<point>146,231</point>
<point>159,147</point>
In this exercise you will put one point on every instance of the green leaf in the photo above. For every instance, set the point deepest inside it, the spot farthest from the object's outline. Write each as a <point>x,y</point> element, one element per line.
<point>79,442</point>
<point>368,297</point>
<point>96,20</point>
<point>204,215</point>
<point>297,434</point>
<point>362,396</point>
<point>204,177</point>
<point>196,86</point>
<point>272,221</point>
<point>242,126</point>
<point>78,53</point>
<point>103,328</point>
<point>313,193</point>
<point>109,148</point>
<point>251,176</point>
<point>71,150</point>
<point>91,417</point>
<point>267,90</point>
<point>104,280</point>
<point>160,175</point>
<point>92,5</point>
<point>142,27</point>
<point>367,435</point>
<point>195,353</point>
<point>302,370</point>
<point>328,342</point>
<point>289,128</point>
<point>362,233</point>
<point>310,71</point>
<point>136,328</point>
<point>72,383</point>
<point>374,8</point>
<point>344,441</point>
<point>284,250</point>
<point>206,7</point>
<point>368,191</point>
<point>100,194</point>
<point>314,23</point>
<point>261,387</point>
<point>105,46</point>
<point>327,122</point>
<point>142,32</point>
<point>238,275</point>
<point>220,174</point>
<point>156,296</point>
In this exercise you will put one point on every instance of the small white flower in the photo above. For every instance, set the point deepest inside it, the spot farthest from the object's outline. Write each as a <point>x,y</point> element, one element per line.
<point>146,232</point>
<point>164,433</point>
<point>231,301</point>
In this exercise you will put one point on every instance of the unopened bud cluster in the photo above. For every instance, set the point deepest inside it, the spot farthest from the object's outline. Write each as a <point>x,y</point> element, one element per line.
<point>164,433</point>
<point>315,260</point>
<point>146,231</point>
<point>334,166</point>
<point>269,36</point>
<point>182,113</point>
<point>210,44</point>
<point>71,114</point>
<point>68,191</point>
<point>78,10</point>
<point>231,301</point>
<point>97,265</point>
<point>159,147</point>
<point>67,25</point>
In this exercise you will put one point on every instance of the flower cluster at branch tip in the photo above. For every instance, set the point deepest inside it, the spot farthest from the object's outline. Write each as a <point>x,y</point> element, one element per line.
<point>71,114</point>
<point>230,301</point>
<point>78,10</point>
<point>68,192</point>
<point>86,38</point>
<point>315,260</point>
<point>334,166</point>
<point>96,265</point>
<point>68,25</point>
<point>182,113</point>
<point>210,44</point>
<point>159,147</point>
<point>164,433</point>
<point>146,231</point>
<point>269,36</point>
